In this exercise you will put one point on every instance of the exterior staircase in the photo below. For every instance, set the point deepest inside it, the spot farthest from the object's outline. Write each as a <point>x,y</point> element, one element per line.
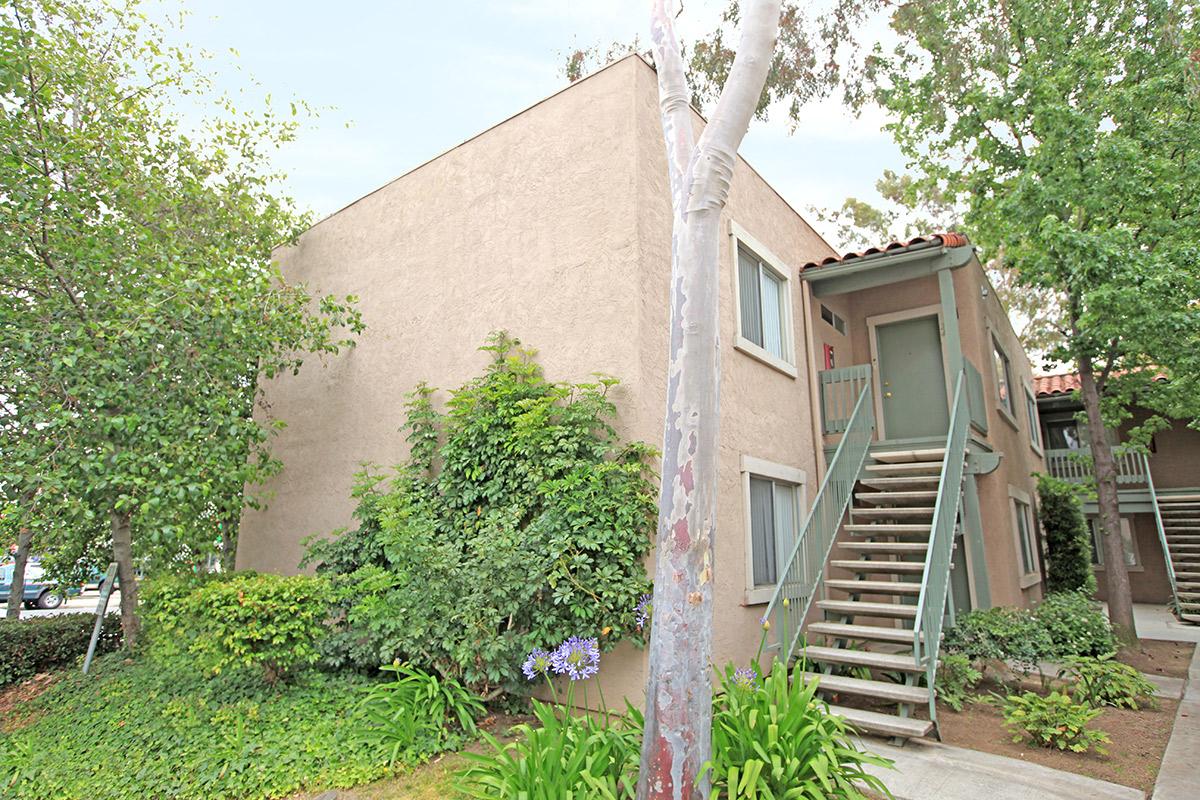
<point>1180,516</point>
<point>873,561</point>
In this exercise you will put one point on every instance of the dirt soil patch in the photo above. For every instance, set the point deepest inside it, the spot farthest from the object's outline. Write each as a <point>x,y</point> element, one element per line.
<point>12,698</point>
<point>1134,755</point>
<point>1159,658</point>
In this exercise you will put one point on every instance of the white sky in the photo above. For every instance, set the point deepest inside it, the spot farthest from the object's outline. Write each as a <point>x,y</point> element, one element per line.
<point>404,81</point>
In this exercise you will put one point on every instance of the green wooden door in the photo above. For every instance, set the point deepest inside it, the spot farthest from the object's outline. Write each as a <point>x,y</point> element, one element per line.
<point>912,379</point>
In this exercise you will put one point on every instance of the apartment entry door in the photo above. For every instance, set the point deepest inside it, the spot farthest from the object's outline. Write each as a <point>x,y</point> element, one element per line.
<point>912,378</point>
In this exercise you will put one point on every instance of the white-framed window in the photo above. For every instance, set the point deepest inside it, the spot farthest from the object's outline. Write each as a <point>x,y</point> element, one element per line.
<point>1024,538</point>
<point>764,307</point>
<point>1035,428</point>
<point>833,319</point>
<point>1132,559</point>
<point>1003,372</point>
<point>774,501</point>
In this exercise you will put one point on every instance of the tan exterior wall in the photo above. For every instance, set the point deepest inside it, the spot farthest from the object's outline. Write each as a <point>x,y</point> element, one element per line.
<point>1175,461</point>
<point>1148,582</point>
<point>554,225</point>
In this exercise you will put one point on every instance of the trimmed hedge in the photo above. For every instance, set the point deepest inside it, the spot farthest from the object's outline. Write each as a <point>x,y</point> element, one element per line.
<point>1068,540</point>
<point>30,646</point>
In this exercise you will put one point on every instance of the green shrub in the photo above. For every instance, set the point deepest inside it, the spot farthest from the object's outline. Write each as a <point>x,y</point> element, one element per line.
<point>1105,682</point>
<point>1053,721</point>
<point>1068,540</point>
<point>778,739</point>
<point>271,623</point>
<point>30,646</point>
<point>1075,625</point>
<point>519,519</point>
<point>563,757</point>
<point>156,729</point>
<point>417,714</point>
<point>955,679</point>
<point>1000,634</point>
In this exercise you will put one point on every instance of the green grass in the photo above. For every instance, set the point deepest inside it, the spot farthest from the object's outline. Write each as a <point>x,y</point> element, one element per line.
<point>142,730</point>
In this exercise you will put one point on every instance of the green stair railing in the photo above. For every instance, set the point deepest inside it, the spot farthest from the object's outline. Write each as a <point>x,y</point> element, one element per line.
<point>935,582</point>
<point>1162,533</point>
<point>805,568</point>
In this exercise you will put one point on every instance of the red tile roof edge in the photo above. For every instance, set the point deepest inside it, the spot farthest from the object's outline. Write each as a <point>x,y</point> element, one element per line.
<point>1053,385</point>
<point>949,239</point>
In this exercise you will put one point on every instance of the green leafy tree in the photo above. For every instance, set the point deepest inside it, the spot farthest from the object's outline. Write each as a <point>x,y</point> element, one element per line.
<point>1068,132</point>
<point>139,306</point>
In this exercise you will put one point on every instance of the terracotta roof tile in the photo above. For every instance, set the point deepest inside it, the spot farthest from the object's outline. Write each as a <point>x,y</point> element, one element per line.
<point>1052,385</point>
<point>943,239</point>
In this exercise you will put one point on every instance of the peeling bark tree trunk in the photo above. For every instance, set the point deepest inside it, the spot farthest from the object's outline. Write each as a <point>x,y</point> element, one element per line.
<point>1116,575</point>
<point>677,739</point>
<point>16,592</point>
<point>123,555</point>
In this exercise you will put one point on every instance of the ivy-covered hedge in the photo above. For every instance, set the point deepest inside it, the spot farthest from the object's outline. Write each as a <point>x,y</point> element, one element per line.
<point>30,646</point>
<point>518,520</point>
<point>1068,540</point>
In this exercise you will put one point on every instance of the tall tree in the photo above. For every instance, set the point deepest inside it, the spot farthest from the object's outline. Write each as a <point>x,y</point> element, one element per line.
<point>677,739</point>
<point>1069,131</point>
<point>138,301</point>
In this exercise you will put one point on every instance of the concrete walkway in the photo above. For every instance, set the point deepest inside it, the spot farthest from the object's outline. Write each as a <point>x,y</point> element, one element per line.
<point>1156,622</point>
<point>1179,775</point>
<point>932,771</point>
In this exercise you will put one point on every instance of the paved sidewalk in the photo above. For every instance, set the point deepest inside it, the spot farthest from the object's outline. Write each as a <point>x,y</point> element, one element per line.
<point>1179,775</point>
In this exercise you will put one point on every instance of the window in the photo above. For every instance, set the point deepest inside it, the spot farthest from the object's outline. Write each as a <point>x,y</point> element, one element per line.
<point>1131,554</point>
<point>1026,541</point>
<point>1035,431</point>
<point>1062,434</point>
<point>773,507</point>
<point>764,315</point>
<point>1003,378</point>
<point>833,319</point>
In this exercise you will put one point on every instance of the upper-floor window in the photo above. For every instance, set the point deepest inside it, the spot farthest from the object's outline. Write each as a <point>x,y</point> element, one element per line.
<point>762,295</point>
<point>1035,430</point>
<point>835,321</point>
<point>1003,378</point>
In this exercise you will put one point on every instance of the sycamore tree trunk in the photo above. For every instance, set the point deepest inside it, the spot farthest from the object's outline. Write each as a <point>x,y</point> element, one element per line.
<point>1116,576</point>
<point>123,555</point>
<point>16,592</point>
<point>677,740</point>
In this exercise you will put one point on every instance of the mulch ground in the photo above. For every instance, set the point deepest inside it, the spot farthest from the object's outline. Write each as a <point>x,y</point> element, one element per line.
<point>1153,657</point>
<point>12,699</point>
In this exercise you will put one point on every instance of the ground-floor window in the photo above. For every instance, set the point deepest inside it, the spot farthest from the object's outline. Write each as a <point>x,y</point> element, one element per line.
<point>1023,532</point>
<point>1127,543</point>
<point>774,503</point>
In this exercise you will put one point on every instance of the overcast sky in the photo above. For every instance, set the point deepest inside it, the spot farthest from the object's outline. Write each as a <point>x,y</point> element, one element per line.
<point>404,81</point>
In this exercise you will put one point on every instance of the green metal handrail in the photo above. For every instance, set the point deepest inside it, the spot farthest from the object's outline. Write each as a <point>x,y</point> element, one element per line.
<point>1162,533</point>
<point>805,568</point>
<point>840,390</point>
<point>935,582</point>
<point>1075,466</point>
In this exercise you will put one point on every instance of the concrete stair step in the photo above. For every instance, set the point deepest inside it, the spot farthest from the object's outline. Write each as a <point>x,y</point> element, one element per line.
<point>902,548</point>
<point>876,587</point>
<point>1192,618</point>
<point>893,513</point>
<point>904,470</point>
<point>901,480</point>
<point>1175,545</point>
<point>1181,522</point>
<point>935,454</point>
<point>888,529</point>
<point>881,567</point>
<point>884,690</point>
<point>859,608</point>
<point>862,658</point>
<point>862,633</point>
<point>884,724</point>
<point>896,498</point>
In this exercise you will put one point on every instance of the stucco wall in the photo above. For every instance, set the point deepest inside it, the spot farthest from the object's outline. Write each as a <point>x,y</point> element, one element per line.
<point>1175,462</point>
<point>1148,582</point>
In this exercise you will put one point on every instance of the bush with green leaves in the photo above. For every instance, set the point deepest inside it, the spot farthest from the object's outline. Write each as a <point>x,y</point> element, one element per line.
<point>956,677</point>
<point>1075,625</point>
<point>416,715</point>
<point>1105,681</point>
<point>1000,634</point>
<point>518,519</point>
<point>1053,721</point>
<point>775,737</point>
<point>30,646</point>
<point>246,620</point>
<point>1068,539</point>
<point>155,729</point>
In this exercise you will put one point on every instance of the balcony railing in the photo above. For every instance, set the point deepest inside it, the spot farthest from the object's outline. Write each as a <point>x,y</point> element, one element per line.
<point>840,393</point>
<point>1075,466</point>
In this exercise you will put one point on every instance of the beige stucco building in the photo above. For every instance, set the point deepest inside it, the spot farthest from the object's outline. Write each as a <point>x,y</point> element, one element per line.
<point>555,226</point>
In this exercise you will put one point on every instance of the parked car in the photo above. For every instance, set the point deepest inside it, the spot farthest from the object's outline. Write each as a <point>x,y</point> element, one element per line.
<point>39,592</point>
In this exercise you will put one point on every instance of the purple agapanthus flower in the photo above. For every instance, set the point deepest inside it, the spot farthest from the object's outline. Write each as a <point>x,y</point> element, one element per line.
<point>644,608</point>
<point>537,663</point>
<point>578,659</point>
<point>745,678</point>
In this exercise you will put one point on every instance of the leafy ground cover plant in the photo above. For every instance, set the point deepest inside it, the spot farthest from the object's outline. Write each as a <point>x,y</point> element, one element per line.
<point>416,714</point>
<point>1104,681</point>
<point>270,623</point>
<point>518,519</point>
<point>30,646</point>
<point>159,729</point>
<point>1053,721</point>
<point>775,738</point>
<point>1075,625</point>
<point>1000,634</point>
<point>956,677</point>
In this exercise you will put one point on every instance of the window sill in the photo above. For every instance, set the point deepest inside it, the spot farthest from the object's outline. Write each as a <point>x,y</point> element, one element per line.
<point>1008,417</point>
<point>1041,453</point>
<point>1032,579</point>
<point>758,596</point>
<point>749,348</point>
<point>1137,568</point>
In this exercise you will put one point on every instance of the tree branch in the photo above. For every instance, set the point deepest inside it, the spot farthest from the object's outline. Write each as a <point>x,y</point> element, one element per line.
<point>675,107</point>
